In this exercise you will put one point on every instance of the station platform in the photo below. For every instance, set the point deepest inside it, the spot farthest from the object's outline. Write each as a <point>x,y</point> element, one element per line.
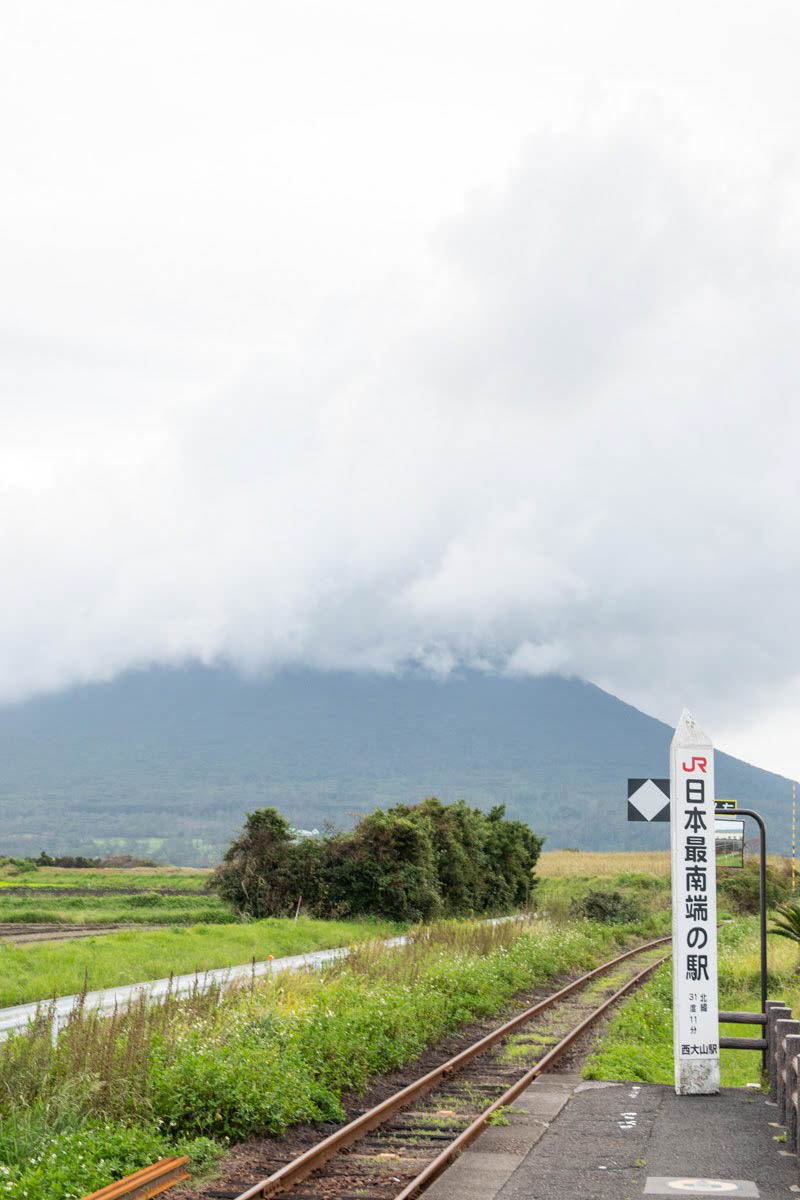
<point>567,1139</point>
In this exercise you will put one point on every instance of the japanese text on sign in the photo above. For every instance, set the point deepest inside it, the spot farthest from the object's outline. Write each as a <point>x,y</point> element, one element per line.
<point>694,910</point>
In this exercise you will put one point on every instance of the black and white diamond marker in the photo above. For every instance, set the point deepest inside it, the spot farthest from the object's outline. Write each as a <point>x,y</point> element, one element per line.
<point>648,800</point>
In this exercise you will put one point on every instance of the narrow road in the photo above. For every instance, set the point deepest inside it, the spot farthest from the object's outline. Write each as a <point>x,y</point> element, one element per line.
<point>18,1017</point>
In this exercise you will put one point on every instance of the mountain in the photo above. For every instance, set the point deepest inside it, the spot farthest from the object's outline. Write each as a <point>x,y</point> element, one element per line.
<point>168,760</point>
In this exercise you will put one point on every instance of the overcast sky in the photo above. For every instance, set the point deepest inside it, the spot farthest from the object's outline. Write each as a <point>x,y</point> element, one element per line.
<point>353,334</point>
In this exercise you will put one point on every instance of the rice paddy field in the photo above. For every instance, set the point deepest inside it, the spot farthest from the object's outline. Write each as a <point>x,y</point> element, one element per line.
<point>599,864</point>
<point>108,896</point>
<point>184,879</point>
<point>561,864</point>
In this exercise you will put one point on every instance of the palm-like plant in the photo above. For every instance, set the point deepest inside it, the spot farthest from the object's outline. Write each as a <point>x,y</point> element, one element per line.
<point>787,922</point>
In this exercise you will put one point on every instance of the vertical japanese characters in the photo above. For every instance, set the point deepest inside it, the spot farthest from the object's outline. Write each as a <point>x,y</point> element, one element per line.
<point>696,1017</point>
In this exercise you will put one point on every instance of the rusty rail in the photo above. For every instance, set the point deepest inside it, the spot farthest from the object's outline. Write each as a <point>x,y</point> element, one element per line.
<point>148,1182</point>
<point>293,1172</point>
<point>468,1135</point>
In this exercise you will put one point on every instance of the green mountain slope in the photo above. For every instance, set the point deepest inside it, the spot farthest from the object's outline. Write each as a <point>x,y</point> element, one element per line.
<point>170,759</point>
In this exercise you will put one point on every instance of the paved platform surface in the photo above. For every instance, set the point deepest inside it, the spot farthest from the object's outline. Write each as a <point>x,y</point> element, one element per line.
<point>568,1139</point>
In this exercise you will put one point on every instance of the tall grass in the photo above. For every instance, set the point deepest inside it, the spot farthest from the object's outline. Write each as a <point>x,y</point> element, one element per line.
<point>638,1042</point>
<point>260,1057</point>
<point>595,864</point>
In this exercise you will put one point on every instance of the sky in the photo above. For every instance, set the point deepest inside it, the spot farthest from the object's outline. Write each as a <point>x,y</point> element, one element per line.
<point>360,335</point>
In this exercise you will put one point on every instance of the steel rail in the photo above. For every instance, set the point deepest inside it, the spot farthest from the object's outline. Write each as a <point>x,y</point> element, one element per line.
<point>468,1135</point>
<point>293,1172</point>
<point>148,1182</point>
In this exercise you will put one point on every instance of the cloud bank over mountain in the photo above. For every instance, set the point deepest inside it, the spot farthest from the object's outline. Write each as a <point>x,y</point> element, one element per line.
<point>554,431</point>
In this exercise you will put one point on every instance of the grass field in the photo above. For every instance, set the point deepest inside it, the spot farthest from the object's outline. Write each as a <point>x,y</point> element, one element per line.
<point>28,895</point>
<point>114,1095</point>
<point>596,864</point>
<point>185,879</point>
<point>638,1042</point>
<point>94,908</point>
<point>38,972</point>
<point>559,864</point>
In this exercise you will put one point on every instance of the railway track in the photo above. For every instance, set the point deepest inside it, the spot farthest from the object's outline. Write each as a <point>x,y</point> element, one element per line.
<point>396,1149</point>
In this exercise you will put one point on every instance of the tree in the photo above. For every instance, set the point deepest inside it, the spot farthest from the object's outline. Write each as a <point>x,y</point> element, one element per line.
<point>410,863</point>
<point>257,875</point>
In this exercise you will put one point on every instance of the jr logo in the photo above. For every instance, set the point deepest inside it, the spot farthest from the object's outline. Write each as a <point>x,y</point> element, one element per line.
<point>698,764</point>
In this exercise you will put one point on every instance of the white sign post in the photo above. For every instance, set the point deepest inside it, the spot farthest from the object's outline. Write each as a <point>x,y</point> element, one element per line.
<point>694,911</point>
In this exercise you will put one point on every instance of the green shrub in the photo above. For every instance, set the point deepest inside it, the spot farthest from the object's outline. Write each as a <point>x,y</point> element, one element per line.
<point>609,908</point>
<point>410,863</point>
<point>73,1162</point>
<point>739,887</point>
<point>642,882</point>
<point>251,1082</point>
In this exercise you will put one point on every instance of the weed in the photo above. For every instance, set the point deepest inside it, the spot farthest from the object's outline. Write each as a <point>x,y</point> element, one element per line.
<point>499,1117</point>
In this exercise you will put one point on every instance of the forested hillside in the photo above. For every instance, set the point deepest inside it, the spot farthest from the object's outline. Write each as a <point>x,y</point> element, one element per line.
<point>168,761</point>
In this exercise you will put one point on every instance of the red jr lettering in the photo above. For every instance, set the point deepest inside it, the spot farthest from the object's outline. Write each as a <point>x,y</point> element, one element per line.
<point>697,763</point>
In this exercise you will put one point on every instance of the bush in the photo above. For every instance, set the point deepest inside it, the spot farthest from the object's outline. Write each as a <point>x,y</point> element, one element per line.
<point>76,1161</point>
<point>739,887</point>
<point>644,883</point>
<point>410,863</point>
<point>609,908</point>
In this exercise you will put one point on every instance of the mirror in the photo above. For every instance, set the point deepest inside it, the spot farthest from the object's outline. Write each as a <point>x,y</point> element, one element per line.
<point>729,838</point>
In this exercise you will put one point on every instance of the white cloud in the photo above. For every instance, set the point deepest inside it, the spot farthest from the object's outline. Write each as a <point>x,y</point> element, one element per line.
<point>462,351</point>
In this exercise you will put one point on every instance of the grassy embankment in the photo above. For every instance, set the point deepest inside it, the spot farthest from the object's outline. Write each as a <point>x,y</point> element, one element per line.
<point>114,1094</point>
<point>638,1042</point>
<point>187,879</point>
<point>28,896</point>
<point>43,970</point>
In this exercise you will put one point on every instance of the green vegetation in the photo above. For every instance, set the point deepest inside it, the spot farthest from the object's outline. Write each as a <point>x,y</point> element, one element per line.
<point>787,921</point>
<point>609,908</point>
<point>38,1161</point>
<point>118,896</point>
<point>42,970</point>
<point>638,1042</point>
<point>143,908</point>
<point>410,863</point>
<point>17,873</point>
<point>634,896</point>
<point>738,888</point>
<point>258,1058</point>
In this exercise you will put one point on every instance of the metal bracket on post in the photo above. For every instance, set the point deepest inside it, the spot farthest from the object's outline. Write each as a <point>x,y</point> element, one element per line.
<point>766,1051</point>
